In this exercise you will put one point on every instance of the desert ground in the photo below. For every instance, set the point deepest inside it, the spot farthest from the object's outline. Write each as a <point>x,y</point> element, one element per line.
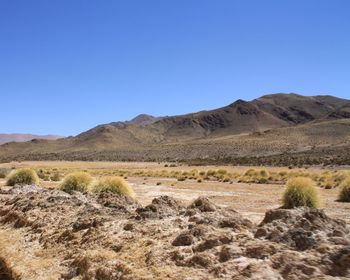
<point>252,200</point>
<point>82,236</point>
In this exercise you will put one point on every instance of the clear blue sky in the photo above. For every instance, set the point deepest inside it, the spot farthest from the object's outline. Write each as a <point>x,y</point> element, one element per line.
<point>66,66</point>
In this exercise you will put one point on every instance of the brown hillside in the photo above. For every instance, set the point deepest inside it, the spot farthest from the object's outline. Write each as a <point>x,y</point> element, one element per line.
<point>267,126</point>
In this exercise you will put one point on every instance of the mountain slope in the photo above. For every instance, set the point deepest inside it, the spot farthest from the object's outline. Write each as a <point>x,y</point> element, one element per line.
<point>227,131</point>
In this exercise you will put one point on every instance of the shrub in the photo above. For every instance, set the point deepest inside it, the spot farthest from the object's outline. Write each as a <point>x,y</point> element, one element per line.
<point>56,177</point>
<point>264,173</point>
<point>344,194</point>
<point>24,176</point>
<point>226,179</point>
<point>4,172</point>
<point>115,185</point>
<point>329,184</point>
<point>199,181</point>
<point>41,173</point>
<point>222,171</point>
<point>77,181</point>
<point>211,172</point>
<point>181,179</point>
<point>283,173</point>
<point>46,178</point>
<point>159,183</point>
<point>250,173</point>
<point>300,192</point>
<point>262,180</point>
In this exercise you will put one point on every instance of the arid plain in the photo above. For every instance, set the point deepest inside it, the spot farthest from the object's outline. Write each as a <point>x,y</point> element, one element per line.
<point>150,180</point>
<point>184,222</point>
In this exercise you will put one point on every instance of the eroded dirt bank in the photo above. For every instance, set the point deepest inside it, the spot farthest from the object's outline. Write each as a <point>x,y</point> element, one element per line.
<point>48,234</point>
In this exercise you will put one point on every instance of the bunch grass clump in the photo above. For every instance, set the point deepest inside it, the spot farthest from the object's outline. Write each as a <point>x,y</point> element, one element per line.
<point>24,176</point>
<point>114,184</point>
<point>211,172</point>
<point>301,192</point>
<point>55,177</point>
<point>344,194</point>
<point>181,178</point>
<point>250,172</point>
<point>4,172</point>
<point>76,181</point>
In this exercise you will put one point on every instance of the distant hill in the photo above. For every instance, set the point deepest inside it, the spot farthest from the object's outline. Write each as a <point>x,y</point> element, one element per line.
<point>18,137</point>
<point>271,125</point>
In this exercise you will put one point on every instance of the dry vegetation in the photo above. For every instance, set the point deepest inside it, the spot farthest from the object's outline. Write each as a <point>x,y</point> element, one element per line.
<point>55,171</point>
<point>77,181</point>
<point>301,192</point>
<point>344,194</point>
<point>114,184</point>
<point>93,237</point>
<point>23,176</point>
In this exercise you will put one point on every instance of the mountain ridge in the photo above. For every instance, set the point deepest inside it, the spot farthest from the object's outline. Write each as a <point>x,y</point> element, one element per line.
<point>147,137</point>
<point>24,137</point>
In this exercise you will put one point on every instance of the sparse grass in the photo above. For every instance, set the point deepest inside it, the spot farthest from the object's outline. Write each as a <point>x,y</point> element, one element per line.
<point>114,184</point>
<point>222,171</point>
<point>56,177</point>
<point>4,172</point>
<point>41,173</point>
<point>226,179</point>
<point>262,180</point>
<point>264,173</point>
<point>250,172</point>
<point>344,193</point>
<point>211,173</point>
<point>24,176</point>
<point>329,184</point>
<point>301,191</point>
<point>77,181</point>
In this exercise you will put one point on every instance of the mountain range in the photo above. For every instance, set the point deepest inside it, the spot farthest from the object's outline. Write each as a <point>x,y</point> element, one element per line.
<point>272,129</point>
<point>20,137</point>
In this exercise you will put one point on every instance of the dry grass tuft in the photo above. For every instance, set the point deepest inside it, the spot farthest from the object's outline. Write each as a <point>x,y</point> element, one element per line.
<point>301,191</point>
<point>115,185</point>
<point>77,181</point>
<point>344,194</point>
<point>24,176</point>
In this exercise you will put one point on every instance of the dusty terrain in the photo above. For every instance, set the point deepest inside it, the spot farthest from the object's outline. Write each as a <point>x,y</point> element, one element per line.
<point>233,231</point>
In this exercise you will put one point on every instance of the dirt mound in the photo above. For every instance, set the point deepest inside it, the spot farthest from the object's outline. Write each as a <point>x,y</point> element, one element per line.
<point>105,236</point>
<point>160,208</point>
<point>302,228</point>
